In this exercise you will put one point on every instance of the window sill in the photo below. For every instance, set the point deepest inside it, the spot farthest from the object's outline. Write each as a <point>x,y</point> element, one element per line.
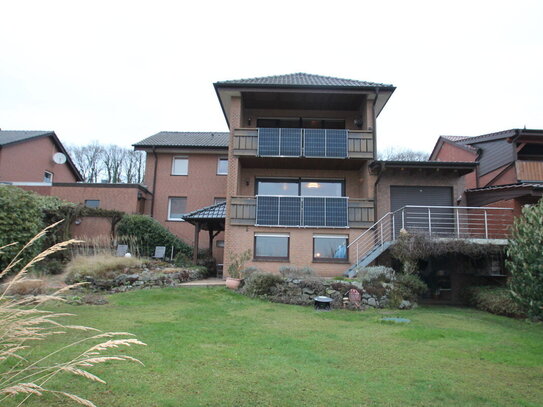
<point>175,220</point>
<point>222,174</point>
<point>333,261</point>
<point>270,259</point>
<point>179,175</point>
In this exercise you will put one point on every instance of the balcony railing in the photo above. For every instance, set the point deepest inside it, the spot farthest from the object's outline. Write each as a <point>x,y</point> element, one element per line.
<point>478,224</point>
<point>310,143</point>
<point>296,211</point>
<point>301,211</point>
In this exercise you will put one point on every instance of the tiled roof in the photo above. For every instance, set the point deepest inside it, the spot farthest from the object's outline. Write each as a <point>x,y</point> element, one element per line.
<point>455,138</point>
<point>217,211</point>
<point>15,136</point>
<point>488,137</point>
<point>302,80</point>
<point>186,139</point>
<point>525,185</point>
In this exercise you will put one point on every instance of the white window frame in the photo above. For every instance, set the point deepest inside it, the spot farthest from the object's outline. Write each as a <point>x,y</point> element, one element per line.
<point>219,164</point>
<point>51,176</point>
<point>180,158</point>
<point>272,258</point>
<point>170,208</point>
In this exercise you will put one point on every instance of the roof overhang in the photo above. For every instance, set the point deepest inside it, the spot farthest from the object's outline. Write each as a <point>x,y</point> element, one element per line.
<point>225,92</point>
<point>460,168</point>
<point>488,195</point>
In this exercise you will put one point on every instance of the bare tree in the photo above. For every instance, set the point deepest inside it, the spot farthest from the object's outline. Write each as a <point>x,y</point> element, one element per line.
<point>134,166</point>
<point>113,162</point>
<point>110,163</point>
<point>88,160</point>
<point>402,154</point>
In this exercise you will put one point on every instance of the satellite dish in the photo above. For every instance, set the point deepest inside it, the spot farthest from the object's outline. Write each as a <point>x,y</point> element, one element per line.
<point>59,158</point>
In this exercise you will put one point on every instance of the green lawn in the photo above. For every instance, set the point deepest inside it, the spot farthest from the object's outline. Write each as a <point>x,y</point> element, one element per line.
<point>211,347</point>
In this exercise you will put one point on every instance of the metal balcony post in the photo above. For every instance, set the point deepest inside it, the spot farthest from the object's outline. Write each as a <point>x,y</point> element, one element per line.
<point>457,224</point>
<point>381,233</point>
<point>403,219</point>
<point>393,227</point>
<point>486,226</point>
<point>430,222</point>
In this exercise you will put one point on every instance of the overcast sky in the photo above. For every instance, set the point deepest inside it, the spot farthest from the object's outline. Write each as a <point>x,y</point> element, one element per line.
<point>118,72</point>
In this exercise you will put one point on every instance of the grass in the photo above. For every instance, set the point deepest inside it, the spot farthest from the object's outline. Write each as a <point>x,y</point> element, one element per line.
<point>212,347</point>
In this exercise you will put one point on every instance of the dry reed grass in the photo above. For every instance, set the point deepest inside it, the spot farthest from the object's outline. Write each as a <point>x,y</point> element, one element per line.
<point>105,244</point>
<point>101,266</point>
<point>23,324</point>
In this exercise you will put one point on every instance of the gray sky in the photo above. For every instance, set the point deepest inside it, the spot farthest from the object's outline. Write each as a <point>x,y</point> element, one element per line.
<point>117,71</point>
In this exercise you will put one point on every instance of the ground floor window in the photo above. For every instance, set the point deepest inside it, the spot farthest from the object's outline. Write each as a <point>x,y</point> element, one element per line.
<point>330,247</point>
<point>92,203</point>
<point>269,246</point>
<point>177,208</point>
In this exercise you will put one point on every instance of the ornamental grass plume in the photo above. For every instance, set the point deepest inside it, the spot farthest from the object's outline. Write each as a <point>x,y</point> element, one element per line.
<point>23,324</point>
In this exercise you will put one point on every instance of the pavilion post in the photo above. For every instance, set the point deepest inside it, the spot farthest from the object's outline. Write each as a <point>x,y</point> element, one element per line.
<point>196,241</point>
<point>211,236</point>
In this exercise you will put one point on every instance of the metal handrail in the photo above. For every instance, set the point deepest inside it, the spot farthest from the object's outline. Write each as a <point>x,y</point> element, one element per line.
<point>462,222</point>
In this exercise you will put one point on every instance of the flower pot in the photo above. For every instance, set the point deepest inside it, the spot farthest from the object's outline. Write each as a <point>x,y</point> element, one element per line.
<point>233,283</point>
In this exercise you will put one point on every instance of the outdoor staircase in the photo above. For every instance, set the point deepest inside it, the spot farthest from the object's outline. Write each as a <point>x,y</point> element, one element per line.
<point>477,224</point>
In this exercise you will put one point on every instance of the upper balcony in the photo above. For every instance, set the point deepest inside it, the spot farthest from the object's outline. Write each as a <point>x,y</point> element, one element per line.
<point>529,170</point>
<point>304,143</point>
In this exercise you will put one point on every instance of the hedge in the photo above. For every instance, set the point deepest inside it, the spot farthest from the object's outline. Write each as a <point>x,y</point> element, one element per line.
<point>149,234</point>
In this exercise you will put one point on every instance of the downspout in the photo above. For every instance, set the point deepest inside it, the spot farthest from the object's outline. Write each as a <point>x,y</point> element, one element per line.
<point>154,184</point>
<point>381,170</point>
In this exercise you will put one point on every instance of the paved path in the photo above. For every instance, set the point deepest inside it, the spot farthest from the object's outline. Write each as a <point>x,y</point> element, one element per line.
<point>208,282</point>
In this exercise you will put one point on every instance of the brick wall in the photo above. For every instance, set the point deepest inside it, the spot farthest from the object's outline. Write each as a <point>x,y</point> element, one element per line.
<point>450,152</point>
<point>241,238</point>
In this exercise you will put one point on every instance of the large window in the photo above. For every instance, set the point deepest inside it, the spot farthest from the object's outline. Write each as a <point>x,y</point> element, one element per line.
<point>177,207</point>
<point>300,187</point>
<point>270,246</point>
<point>222,166</point>
<point>330,248</point>
<point>180,166</point>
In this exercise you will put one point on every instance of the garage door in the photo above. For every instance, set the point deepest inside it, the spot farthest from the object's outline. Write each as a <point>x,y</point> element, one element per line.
<point>434,221</point>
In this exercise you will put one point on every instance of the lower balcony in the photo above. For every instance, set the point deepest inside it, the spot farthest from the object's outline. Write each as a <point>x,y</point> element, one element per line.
<point>298,211</point>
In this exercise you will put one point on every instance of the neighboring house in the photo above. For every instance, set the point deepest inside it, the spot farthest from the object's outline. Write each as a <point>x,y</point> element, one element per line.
<point>34,158</point>
<point>510,166</point>
<point>37,161</point>
<point>186,171</point>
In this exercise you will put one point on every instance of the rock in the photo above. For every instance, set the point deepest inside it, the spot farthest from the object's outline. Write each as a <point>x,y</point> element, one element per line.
<point>120,279</point>
<point>372,302</point>
<point>307,290</point>
<point>130,278</point>
<point>366,296</point>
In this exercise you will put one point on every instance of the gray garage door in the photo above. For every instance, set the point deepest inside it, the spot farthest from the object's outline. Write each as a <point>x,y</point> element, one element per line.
<point>437,222</point>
